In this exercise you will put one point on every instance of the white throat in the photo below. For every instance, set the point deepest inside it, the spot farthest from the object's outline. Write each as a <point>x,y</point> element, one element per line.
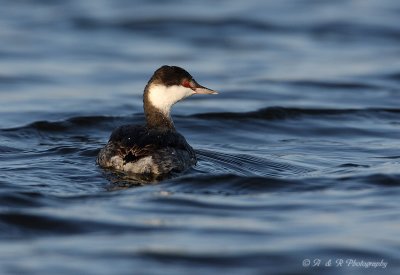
<point>163,97</point>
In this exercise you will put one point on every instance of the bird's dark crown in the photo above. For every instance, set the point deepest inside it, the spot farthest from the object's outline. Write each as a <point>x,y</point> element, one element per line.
<point>169,76</point>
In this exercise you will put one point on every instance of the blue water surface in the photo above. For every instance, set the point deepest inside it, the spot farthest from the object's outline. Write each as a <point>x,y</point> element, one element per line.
<point>299,154</point>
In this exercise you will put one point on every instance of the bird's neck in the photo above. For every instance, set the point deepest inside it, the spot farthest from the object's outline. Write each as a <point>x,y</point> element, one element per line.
<point>156,118</point>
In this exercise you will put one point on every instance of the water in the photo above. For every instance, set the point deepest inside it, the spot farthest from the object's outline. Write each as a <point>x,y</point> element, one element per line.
<point>298,155</point>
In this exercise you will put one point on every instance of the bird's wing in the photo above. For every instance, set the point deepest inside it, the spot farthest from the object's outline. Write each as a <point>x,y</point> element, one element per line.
<point>132,142</point>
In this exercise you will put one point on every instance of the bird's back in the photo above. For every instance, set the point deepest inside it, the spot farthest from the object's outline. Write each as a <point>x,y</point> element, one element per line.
<point>139,150</point>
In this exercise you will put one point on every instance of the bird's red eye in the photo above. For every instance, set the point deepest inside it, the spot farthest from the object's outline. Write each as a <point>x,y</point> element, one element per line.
<point>186,83</point>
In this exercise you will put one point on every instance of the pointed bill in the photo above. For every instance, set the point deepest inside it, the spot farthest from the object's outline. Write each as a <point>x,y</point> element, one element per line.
<point>204,90</point>
<point>198,89</point>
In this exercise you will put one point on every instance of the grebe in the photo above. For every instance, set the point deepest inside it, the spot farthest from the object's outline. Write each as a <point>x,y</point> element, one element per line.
<point>155,148</point>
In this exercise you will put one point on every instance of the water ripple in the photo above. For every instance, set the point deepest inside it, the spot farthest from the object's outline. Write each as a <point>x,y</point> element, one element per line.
<point>277,113</point>
<point>251,165</point>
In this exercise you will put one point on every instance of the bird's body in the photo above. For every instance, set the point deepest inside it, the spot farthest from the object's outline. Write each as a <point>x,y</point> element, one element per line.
<point>140,150</point>
<point>155,148</point>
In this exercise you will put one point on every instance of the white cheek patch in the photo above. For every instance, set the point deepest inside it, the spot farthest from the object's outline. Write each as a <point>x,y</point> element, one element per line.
<point>163,97</point>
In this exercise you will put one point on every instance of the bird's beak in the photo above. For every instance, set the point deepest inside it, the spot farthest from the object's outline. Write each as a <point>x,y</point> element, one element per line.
<point>198,89</point>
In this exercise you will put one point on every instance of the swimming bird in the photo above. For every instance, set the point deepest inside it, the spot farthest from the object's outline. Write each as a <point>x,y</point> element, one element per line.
<point>155,148</point>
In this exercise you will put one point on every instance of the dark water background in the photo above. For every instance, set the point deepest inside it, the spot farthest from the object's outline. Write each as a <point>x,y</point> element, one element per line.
<point>299,154</point>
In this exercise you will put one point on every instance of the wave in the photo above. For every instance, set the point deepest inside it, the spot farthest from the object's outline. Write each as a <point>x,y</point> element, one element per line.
<point>73,123</point>
<point>376,179</point>
<point>18,199</point>
<point>156,23</point>
<point>25,79</point>
<point>393,76</point>
<point>233,184</point>
<point>277,113</point>
<point>268,113</point>
<point>249,165</point>
<point>9,150</point>
<point>341,85</point>
<point>319,29</point>
<point>239,260</point>
<point>28,224</point>
<point>338,30</point>
<point>230,184</point>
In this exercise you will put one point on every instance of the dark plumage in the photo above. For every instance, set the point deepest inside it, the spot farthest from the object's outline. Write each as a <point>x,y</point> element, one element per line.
<point>129,144</point>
